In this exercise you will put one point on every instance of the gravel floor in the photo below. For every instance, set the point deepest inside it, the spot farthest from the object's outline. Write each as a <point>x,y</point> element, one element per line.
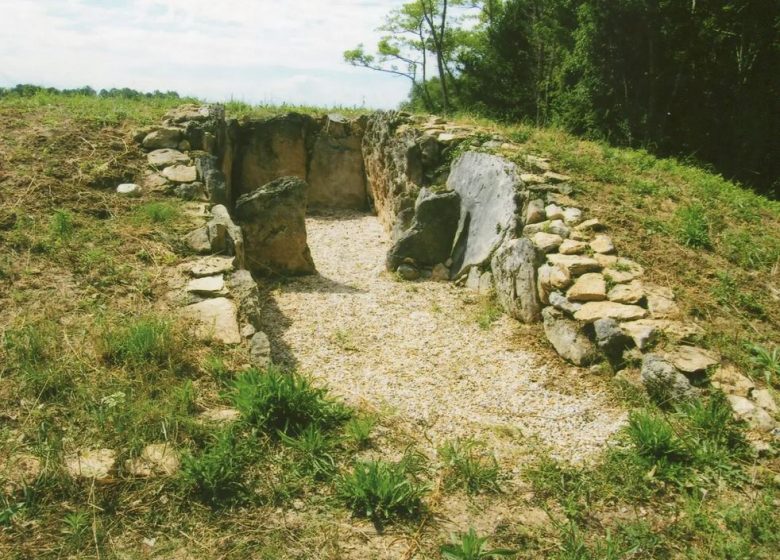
<point>415,349</point>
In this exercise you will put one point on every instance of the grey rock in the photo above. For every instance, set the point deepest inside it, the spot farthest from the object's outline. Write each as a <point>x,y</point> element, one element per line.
<point>273,221</point>
<point>198,240</point>
<point>514,267</point>
<point>610,339</point>
<point>663,382</point>
<point>568,338</point>
<point>491,202</point>
<point>429,239</point>
<point>191,191</point>
<point>129,190</point>
<point>260,350</point>
<point>440,273</point>
<point>162,138</point>
<point>561,303</point>
<point>245,292</point>
<point>408,272</point>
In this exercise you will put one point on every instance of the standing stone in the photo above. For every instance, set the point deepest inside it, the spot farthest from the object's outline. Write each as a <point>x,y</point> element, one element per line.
<point>490,201</point>
<point>244,290</point>
<point>428,240</point>
<point>273,221</point>
<point>260,350</point>
<point>514,274</point>
<point>337,178</point>
<point>663,382</point>
<point>568,338</point>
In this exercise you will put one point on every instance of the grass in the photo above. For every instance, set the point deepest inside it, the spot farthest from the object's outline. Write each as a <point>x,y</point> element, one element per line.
<point>467,466</point>
<point>470,546</point>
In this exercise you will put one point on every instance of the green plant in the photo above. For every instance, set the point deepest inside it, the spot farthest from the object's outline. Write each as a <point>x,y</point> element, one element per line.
<point>158,212</point>
<point>470,546</point>
<point>383,491</point>
<point>76,527</point>
<point>216,475</point>
<point>358,431</point>
<point>315,450</point>
<point>468,467</point>
<point>61,225</point>
<point>143,341</point>
<point>276,401</point>
<point>488,313</point>
<point>658,445</point>
<point>694,227</point>
<point>767,362</point>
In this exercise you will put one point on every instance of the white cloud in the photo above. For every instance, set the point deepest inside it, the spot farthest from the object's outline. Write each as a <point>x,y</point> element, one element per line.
<point>256,50</point>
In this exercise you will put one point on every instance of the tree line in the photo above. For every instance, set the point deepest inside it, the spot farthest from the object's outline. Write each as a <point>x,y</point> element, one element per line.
<point>693,78</point>
<point>30,90</point>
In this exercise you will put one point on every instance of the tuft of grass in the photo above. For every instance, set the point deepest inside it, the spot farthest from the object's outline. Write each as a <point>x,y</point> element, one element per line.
<point>488,313</point>
<point>766,362</point>
<point>158,212</point>
<point>470,546</point>
<point>657,444</point>
<point>358,431</point>
<point>693,227</point>
<point>315,452</point>
<point>61,226</point>
<point>382,491</point>
<point>467,466</point>
<point>142,342</point>
<point>275,401</point>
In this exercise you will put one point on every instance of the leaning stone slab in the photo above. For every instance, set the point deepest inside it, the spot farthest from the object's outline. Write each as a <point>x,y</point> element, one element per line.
<point>244,290</point>
<point>514,273</point>
<point>594,310</point>
<point>216,319</point>
<point>260,350</point>
<point>568,338</point>
<point>490,207</point>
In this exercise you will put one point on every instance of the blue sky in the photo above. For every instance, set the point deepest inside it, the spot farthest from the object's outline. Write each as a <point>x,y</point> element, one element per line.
<point>252,50</point>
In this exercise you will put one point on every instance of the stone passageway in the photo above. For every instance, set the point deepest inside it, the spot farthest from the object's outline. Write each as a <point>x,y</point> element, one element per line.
<point>416,349</point>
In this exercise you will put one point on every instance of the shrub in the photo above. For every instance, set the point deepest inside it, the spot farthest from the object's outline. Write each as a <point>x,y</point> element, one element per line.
<point>275,401</point>
<point>468,467</point>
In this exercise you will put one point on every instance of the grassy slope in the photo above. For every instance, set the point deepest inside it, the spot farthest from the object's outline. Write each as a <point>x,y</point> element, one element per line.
<point>89,357</point>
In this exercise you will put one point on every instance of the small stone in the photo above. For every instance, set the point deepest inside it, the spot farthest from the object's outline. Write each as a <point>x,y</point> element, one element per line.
<point>555,226</point>
<point>547,242</point>
<point>408,272</point>
<point>691,359</point>
<point>537,162</point>
<point>552,177</point>
<point>185,146</point>
<point>198,240</point>
<point>248,330</point>
<point>260,350</point>
<point>764,399</point>
<point>129,190</point>
<point>561,303</point>
<point>606,260</point>
<point>571,247</point>
<point>440,273</point>
<point>660,302</point>
<point>93,463</point>
<point>643,334</point>
<point>594,310</point>
<point>590,225</point>
<point>575,264</point>
<point>611,339</point>
<point>210,266</point>
<point>166,157</point>
<point>181,173</point>
<point>568,338</point>
<point>663,382</point>
<point>746,410</point>
<point>728,379</point>
<point>217,319</point>
<point>192,191</point>
<point>553,212</point>
<point>221,415</point>
<point>627,293</point>
<point>162,138</point>
<point>602,244</point>
<point>532,179</point>
<point>535,212</point>
<point>623,271</point>
<point>208,286</point>
<point>572,216</point>
<point>551,277</point>
<point>588,287</point>
<point>155,182</point>
<point>157,459</point>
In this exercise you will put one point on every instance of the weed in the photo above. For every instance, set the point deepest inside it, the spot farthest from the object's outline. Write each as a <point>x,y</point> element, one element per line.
<point>728,294</point>
<point>383,491</point>
<point>61,225</point>
<point>766,362</point>
<point>468,467</point>
<point>487,313</point>
<point>141,342</point>
<point>216,475</point>
<point>470,546</point>
<point>345,339</point>
<point>657,444</point>
<point>358,431</point>
<point>158,212</point>
<point>275,401</point>
<point>315,450</point>
<point>694,227</point>
<point>76,527</point>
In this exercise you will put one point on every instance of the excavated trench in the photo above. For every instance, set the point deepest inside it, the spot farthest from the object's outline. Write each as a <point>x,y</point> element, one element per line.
<point>413,349</point>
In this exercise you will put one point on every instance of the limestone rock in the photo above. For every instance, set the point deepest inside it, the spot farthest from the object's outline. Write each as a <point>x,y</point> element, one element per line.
<point>553,212</point>
<point>611,339</point>
<point>550,278</point>
<point>245,292</point>
<point>660,302</point>
<point>225,237</point>
<point>216,319</point>
<point>568,338</point>
<point>209,266</point>
<point>549,226</point>
<point>561,303</point>
<point>273,221</point>
<point>623,270</point>
<point>590,225</point>
<point>547,242</point>
<point>746,410</point>
<point>208,286</point>
<point>336,175</point>
<point>157,459</point>
<point>764,399</point>
<point>532,179</point>
<point>129,190</point>
<point>162,138</point>
<point>411,272</point>
<point>571,247</point>
<point>95,464</point>
<point>154,182</point>
<point>691,359</point>
<point>552,177</point>
<point>594,310</point>
<point>514,272</point>
<point>260,351</point>
<point>429,239</point>
<point>472,279</point>
<point>643,334</point>
<point>490,206</point>
<point>198,240</point>
<point>572,216</point>
<point>630,293</point>
<point>486,283</point>
<point>535,212</point>
<point>192,191</point>
<point>221,415</point>
<point>588,287</point>
<point>728,379</point>
<point>575,264</point>
<point>440,273</point>
<point>602,244</point>
<point>180,173</point>
<point>674,331</point>
<point>663,382</point>
<point>166,157</point>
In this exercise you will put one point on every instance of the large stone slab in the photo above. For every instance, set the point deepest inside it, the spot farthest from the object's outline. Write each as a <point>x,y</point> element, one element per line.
<point>575,264</point>
<point>594,310</point>
<point>215,319</point>
<point>180,173</point>
<point>162,138</point>
<point>490,205</point>
<point>428,241</point>
<point>514,267</point>
<point>337,178</point>
<point>273,221</point>
<point>166,157</point>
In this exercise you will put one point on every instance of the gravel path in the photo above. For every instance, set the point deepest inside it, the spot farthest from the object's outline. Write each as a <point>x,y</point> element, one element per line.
<point>416,349</point>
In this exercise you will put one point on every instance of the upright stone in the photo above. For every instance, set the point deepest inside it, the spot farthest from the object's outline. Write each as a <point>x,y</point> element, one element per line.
<point>273,221</point>
<point>514,273</point>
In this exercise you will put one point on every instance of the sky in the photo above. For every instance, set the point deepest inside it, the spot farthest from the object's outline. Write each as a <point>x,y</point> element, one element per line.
<point>258,51</point>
